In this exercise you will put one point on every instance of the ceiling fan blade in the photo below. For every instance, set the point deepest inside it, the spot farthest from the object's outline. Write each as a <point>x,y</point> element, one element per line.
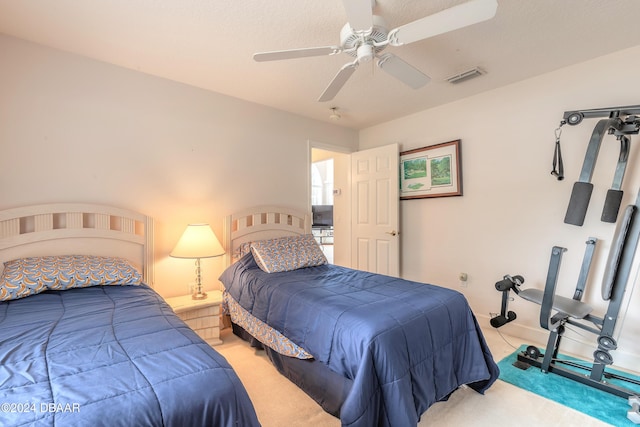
<point>459,16</point>
<point>403,71</point>
<point>296,53</point>
<point>359,13</point>
<point>338,81</point>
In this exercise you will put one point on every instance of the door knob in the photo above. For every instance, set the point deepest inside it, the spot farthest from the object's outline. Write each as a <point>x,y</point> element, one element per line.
<point>392,232</point>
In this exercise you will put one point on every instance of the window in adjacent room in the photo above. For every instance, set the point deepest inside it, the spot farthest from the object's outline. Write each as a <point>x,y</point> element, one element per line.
<point>322,182</point>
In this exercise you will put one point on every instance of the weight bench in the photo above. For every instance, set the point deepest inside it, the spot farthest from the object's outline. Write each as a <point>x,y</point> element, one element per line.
<point>557,311</point>
<point>577,313</point>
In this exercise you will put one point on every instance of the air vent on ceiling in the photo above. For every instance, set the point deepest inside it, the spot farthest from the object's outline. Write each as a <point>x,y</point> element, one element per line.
<point>466,75</point>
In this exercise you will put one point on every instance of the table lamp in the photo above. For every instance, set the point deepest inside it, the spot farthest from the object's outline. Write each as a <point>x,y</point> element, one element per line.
<point>198,241</point>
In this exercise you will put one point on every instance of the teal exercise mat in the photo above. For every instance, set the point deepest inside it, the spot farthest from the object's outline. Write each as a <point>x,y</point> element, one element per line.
<point>596,403</point>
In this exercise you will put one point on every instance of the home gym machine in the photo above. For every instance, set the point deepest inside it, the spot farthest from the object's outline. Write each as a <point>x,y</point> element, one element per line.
<point>557,312</point>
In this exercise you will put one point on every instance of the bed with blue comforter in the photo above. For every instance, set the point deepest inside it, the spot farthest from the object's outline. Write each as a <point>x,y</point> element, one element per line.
<point>111,356</point>
<point>400,345</point>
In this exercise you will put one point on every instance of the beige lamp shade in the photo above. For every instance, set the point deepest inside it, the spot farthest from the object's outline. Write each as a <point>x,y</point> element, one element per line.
<point>198,241</point>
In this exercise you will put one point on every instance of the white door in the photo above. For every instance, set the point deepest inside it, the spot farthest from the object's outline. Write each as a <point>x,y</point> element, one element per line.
<point>375,243</point>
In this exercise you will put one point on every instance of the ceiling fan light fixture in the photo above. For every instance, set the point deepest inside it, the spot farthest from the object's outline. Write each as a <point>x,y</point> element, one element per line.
<point>365,53</point>
<point>466,75</point>
<point>335,116</point>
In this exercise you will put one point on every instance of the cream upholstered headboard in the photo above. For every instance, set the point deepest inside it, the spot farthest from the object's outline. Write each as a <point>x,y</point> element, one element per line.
<point>77,229</point>
<point>262,222</point>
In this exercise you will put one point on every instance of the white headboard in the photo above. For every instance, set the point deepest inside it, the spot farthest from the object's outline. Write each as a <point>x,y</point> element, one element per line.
<point>262,222</point>
<point>77,229</point>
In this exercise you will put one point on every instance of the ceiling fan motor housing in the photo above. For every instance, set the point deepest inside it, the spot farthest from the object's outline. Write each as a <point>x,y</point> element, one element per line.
<point>353,41</point>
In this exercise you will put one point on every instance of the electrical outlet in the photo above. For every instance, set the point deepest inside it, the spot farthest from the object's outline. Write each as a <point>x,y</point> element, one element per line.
<point>463,277</point>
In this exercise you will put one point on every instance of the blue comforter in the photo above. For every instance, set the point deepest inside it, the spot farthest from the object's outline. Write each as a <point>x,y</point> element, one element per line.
<point>405,345</point>
<point>111,356</point>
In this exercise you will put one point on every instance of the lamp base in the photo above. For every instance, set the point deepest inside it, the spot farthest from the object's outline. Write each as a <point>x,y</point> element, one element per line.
<point>199,295</point>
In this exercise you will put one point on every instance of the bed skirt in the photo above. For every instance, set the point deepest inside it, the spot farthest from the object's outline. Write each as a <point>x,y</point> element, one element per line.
<point>323,385</point>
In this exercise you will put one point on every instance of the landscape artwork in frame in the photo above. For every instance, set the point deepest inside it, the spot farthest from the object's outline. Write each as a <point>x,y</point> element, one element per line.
<point>432,171</point>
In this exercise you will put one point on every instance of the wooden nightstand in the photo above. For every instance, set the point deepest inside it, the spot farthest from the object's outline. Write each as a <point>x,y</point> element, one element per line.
<point>203,316</point>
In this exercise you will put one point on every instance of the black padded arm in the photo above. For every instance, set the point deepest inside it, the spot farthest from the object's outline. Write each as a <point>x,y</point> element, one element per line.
<point>550,286</point>
<point>615,253</point>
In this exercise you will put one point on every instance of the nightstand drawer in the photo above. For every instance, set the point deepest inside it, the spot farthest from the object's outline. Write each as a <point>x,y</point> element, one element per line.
<point>212,311</point>
<point>197,323</point>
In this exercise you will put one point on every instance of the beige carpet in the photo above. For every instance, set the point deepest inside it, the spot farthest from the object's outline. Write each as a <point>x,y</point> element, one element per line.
<point>279,402</point>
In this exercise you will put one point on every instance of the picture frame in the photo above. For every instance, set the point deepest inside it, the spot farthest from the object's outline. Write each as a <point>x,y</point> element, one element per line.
<point>432,171</point>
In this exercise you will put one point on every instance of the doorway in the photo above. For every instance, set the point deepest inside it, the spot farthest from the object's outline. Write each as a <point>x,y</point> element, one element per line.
<point>329,193</point>
<point>358,243</point>
<point>322,205</point>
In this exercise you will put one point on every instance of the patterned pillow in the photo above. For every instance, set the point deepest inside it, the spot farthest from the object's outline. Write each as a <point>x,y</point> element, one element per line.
<point>241,251</point>
<point>29,276</point>
<point>287,253</point>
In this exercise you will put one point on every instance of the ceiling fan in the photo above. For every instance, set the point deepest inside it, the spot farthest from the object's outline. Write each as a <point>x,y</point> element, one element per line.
<point>365,36</point>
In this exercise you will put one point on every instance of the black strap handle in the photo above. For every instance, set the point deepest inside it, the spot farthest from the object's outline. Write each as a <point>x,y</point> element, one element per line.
<point>558,166</point>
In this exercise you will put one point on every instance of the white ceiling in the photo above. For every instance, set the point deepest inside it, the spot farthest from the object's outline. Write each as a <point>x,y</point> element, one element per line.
<point>210,43</point>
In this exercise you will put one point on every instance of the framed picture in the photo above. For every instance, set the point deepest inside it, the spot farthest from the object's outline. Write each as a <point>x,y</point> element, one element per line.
<point>432,171</point>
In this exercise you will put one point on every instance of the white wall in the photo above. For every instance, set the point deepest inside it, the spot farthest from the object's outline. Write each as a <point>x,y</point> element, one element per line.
<point>512,210</point>
<point>78,130</point>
